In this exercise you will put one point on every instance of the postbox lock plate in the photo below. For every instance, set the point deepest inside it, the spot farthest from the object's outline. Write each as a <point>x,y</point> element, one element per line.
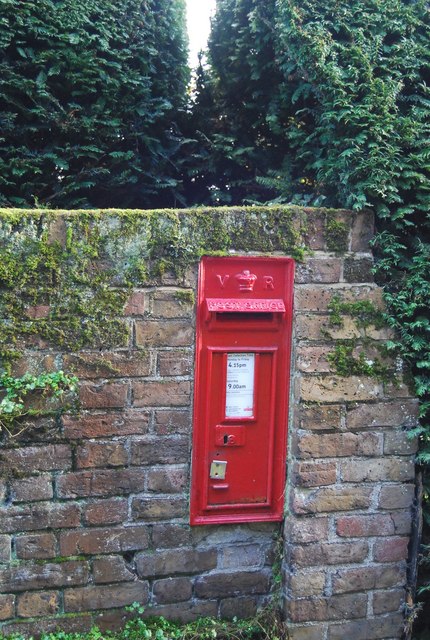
<point>229,436</point>
<point>218,469</point>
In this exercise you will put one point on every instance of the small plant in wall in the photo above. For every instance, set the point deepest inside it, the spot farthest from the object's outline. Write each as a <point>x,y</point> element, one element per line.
<point>32,396</point>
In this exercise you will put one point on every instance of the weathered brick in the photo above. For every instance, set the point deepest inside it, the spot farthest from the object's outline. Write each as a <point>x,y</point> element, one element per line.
<point>314,474</point>
<point>111,569</point>
<point>5,548</point>
<point>338,389</point>
<point>398,389</point>
<point>50,457</point>
<point>170,333</point>
<point>318,297</point>
<point>166,450</point>
<point>378,469</point>
<point>391,549</point>
<point>101,454</point>
<point>218,585</point>
<point>170,535</point>
<point>342,498</point>
<point>38,516</point>
<point>106,482</point>
<point>306,632</point>
<point>306,583</point>
<point>112,619</point>
<point>116,364</point>
<point>383,414</point>
<point>175,363</point>
<point>101,426</point>
<point>159,509</point>
<point>323,553</point>
<point>240,557</point>
<point>163,393</point>
<point>312,327</point>
<point>172,590</point>
<point>186,611</point>
<point>396,496</point>
<point>238,607</point>
<point>109,511</point>
<point>34,363</point>
<point>36,546</point>
<point>334,608</point>
<point>168,479</point>
<point>318,270</point>
<point>381,333</point>
<point>398,443</point>
<point>365,525</point>
<point>358,269</point>
<point>313,359</point>
<point>75,624</point>
<point>99,540</point>
<point>387,601</point>
<point>303,530</point>
<point>7,606</point>
<point>111,395</point>
<point>136,304</point>
<point>386,627</point>
<point>172,422</point>
<point>402,521</point>
<point>362,232</point>
<point>175,561</point>
<point>41,603</point>
<point>105,596</point>
<point>314,232</point>
<point>366,578</point>
<point>32,489</point>
<point>57,230</point>
<point>330,445</point>
<point>43,576</point>
<point>312,297</point>
<point>320,417</point>
<point>38,311</point>
<point>173,303</point>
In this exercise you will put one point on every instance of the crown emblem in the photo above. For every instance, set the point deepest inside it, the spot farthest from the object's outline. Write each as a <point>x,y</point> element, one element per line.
<point>246,280</point>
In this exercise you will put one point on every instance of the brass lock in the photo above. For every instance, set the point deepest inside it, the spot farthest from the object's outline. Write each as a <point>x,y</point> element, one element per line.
<point>218,470</point>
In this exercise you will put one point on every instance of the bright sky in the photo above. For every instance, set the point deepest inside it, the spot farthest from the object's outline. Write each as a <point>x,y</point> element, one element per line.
<point>198,18</point>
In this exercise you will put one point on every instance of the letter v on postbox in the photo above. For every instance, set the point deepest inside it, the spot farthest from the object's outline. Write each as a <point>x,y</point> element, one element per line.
<point>243,350</point>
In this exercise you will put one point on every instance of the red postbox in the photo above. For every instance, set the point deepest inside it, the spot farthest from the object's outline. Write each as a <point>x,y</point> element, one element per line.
<point>243,346</point>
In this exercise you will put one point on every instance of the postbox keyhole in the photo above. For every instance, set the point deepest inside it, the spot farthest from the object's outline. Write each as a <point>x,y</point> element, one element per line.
<point>226,439</point>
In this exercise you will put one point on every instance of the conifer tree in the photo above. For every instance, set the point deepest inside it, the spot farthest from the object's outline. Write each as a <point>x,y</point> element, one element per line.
<point>89,94</point>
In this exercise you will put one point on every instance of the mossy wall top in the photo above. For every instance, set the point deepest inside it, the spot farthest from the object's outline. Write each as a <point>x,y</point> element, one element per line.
<point>58,268</point>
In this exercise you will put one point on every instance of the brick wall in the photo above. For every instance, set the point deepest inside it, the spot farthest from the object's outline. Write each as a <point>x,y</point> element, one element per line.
<point>351,469</point>
<point>94,511</point>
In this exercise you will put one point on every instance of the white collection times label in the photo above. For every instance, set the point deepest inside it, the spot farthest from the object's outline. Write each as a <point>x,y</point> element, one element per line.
<point>239,401</point>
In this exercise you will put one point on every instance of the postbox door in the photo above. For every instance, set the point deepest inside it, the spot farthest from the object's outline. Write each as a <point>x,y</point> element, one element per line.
<point>241,389</point>
<point>240,428</point>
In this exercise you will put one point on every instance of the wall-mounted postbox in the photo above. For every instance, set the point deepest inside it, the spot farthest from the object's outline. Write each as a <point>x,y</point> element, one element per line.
<point>244,319</point>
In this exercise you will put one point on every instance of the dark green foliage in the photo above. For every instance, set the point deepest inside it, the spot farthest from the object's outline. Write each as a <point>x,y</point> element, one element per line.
<point>17,392</point>
<point>89,92</point>
<point>266,625</point>
<point>361,134</point>
<point>237,115</point>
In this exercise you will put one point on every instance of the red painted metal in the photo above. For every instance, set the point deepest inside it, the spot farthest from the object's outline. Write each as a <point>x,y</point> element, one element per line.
<point>244,323</point>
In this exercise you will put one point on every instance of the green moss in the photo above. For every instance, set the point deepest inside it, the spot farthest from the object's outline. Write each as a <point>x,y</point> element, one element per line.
<point>186,296</point>
<point>364,313</point>
<point>78,267</point>
<point>345,363</point>
<point>348,357</point>
<point>336,233</point>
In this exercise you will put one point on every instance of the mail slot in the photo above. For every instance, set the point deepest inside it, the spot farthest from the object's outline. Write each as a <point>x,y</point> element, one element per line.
<point>243,346</point>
